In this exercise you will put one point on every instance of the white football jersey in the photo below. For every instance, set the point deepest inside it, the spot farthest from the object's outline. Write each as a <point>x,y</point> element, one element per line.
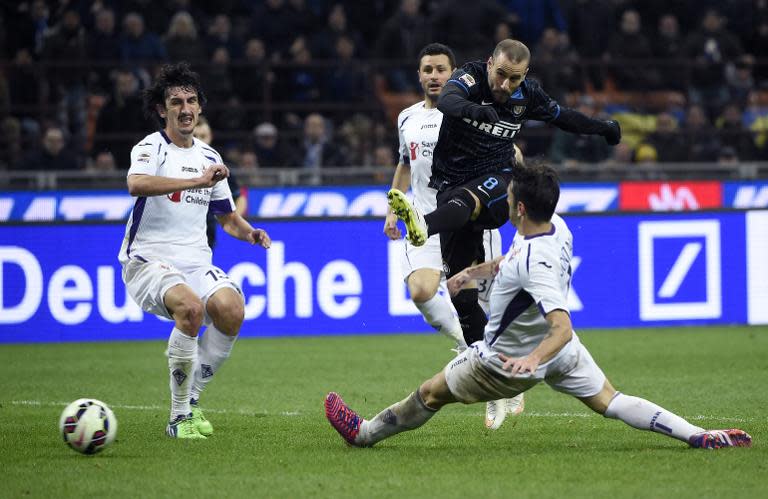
<point>418,129</point>
<point>533,280</point>
<point>172,226</point>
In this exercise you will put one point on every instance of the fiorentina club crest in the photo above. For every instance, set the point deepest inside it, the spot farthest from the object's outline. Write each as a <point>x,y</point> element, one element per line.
<point>179,376</point>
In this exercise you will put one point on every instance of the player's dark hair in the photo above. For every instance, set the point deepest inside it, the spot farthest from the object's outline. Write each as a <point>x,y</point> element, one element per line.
<point>170,75</point>
<point>537,186</point>
<point>515,50</point>
<point>438,49</point>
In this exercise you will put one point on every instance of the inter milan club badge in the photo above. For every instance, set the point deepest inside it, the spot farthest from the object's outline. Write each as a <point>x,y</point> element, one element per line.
<point>518,110</point>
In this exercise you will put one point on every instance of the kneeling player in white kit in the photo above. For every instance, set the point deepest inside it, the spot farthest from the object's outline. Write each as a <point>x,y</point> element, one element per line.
<point>167,267</point>
<point>529,338</point>
<point>419,127</point>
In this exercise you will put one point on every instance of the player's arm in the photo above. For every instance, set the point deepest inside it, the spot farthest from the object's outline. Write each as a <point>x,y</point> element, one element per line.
<point>153,185</point>
<point>559,334</point>
<point>574,121</point>
<point>454,101</point>
<point>485,270</point>
<point>236,226</point>
<point>401,181</point>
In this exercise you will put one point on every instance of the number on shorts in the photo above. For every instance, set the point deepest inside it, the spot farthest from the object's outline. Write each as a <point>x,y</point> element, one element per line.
<point>216,274</point>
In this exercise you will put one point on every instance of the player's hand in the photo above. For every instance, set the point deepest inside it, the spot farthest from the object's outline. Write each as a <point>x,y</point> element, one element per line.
<point>520,365</point>
<point>214,174</point>
<point>613,133</point>
<point>484,114</point>
<point>457,282</point>
<point>260,237</point>
<point>390,227</point>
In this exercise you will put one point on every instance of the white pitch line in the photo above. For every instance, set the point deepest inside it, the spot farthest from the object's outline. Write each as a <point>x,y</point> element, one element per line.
<point>533,414</point>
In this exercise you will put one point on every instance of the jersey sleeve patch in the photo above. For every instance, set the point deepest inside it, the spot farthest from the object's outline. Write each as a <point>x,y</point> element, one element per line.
<point>467,79</point>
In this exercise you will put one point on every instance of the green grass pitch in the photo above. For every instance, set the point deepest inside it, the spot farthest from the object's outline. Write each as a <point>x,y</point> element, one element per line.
<point>272,440</point>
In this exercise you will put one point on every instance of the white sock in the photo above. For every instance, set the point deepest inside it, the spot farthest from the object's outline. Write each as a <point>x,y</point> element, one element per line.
<point>215,348</point>
<point>182,358</point>
<point>644,415</point>
<point>408,414</point>
<point>440,314</point>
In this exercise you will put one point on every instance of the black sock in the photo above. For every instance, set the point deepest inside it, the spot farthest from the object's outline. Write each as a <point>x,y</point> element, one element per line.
<point>449,217</point>
<point>471,315</point>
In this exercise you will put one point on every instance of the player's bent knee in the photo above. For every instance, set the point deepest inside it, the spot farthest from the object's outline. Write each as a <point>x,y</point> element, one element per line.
<point>189,316</point>
<point>421,292</point>
<point>435,392</point>
<point>227,310</point>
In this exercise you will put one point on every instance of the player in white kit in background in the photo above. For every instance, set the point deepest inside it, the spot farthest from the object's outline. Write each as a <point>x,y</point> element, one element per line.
<point>167,264</point>
<point>528,339</point>
<point>418,130</point>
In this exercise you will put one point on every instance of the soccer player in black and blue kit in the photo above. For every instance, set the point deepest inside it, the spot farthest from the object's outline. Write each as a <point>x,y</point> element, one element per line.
<point>484,105</point>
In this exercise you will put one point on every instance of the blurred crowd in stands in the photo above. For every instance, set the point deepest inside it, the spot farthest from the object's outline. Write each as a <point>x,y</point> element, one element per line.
<point>307,84</point>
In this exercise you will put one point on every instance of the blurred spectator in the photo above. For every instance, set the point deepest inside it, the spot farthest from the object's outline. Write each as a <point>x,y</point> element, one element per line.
<point>710,48</point>
<point>734,135</point>
<point>136,45</point>
<point>755,119</point>
<point>383,157</point>
<point>304,19</point>
<point>300,81</point>
<point>181,40</point>
<point>404,34</point>
<point>66,42</point>
<point>220,35</point>
<point>103,162</point>
<point>315,149</point>
<point>29,29</point>
<point>728,156</point>
<point>10,142</point>
<point>556,64</point>
<point>452,19</point>
<point>357,137</point>
<point>534,17</point>
<point>630,43</point>
<point>24,91</point>
<point>121,121</point>
<point>272,22</point>
<point>740,79</point>
<point>267,147</point>
<point>52,156</point>
<point>670,145</point>
<point>253,78</point>
<point>345,81</point>
<point>216,75</point>
<point>569,149</point>
<point>701,138</point>
<point>103,47</point>
<point>587,22</point>
<point>323,45</point>
<point>668,48</point>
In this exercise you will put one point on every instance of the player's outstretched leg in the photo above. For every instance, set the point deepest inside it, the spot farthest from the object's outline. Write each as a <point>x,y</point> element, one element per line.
<point>414,220</point>
<point>716,439</point>
<point>408,414</point>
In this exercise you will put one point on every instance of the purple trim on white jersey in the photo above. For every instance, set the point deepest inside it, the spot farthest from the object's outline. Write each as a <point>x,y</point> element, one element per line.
<point>515,307</point>
<point>165,136</point>
<point>551,232</point>
<point>220,207</point>
<point>138,211</point>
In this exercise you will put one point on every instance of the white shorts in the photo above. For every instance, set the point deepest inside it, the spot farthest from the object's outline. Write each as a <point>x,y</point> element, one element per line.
<point>475,375</point>
<point>148,281</point>
<point>492,246</point>
<point>427,256</point>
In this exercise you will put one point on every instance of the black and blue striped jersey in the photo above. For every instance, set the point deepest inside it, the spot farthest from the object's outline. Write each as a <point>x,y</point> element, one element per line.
<point>468,148</point>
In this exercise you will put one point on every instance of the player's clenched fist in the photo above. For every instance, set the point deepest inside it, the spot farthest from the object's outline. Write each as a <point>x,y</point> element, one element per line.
<point>260,237</point>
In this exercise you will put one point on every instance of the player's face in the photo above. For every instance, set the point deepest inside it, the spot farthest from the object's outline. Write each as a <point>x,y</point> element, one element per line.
<point>182,108</point>
<point>505,76</point>
<point>434,71</point>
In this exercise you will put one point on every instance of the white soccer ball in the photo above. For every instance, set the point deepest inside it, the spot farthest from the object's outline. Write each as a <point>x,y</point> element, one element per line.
<point>88,426</point>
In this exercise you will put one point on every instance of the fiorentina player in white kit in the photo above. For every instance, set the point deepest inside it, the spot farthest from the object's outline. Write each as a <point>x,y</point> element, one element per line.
<point>422,266</point>
<point>167,267</point>
<point>528,339</point>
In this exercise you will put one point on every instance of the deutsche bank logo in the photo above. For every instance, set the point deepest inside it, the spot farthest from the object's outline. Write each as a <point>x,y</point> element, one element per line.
<point>672,254</point>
